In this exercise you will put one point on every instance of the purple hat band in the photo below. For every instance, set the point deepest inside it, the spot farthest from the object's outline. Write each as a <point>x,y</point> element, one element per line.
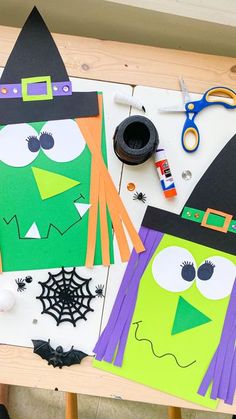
<point>35,89</point>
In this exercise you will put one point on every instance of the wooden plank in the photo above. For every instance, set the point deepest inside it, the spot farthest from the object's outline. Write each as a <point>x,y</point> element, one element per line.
<point>20,366</point>
<point>134,64</point>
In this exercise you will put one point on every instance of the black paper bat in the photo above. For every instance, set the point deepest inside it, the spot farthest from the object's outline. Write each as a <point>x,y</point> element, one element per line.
<point>57,357</point>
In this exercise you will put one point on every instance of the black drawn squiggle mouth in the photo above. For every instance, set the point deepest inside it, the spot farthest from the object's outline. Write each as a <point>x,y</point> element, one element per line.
<point>153,350</point>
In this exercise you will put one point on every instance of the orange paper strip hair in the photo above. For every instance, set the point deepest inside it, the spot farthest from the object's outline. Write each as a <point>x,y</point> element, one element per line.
<point>104,193</point>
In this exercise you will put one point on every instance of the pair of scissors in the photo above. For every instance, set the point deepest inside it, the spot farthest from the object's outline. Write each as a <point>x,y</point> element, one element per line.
<point>192,109</point>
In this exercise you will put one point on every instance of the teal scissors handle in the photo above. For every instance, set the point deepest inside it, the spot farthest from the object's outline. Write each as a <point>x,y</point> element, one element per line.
<point>190,128</point>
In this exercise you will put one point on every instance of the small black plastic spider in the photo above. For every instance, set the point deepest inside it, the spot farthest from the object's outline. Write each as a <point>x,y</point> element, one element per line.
<point>140,196</point>
<point>28,279</point>
<point>20,284</point>
<point>99,290</point>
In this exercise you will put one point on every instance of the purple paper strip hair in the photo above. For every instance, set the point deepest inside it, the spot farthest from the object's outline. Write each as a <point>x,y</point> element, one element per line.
<point>227,368</point>
<point>155,239</point>
<point>130,300</point>
<point>114,337</point>
<point>103,340</point>
<point>222,369</point>
<point>232,385</point>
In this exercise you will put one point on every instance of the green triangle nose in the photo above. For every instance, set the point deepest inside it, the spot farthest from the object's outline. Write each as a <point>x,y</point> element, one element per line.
<point>187,317</point>
<point>51,184</point>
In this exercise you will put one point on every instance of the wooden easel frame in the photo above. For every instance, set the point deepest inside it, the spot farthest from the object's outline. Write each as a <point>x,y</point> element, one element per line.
<point>135,65</point>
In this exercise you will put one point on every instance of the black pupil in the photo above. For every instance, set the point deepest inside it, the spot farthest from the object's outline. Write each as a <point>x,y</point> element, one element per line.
<point>33,144</point>
<point>46,141</point>
<point>188,272</point>
<point>205,271</point>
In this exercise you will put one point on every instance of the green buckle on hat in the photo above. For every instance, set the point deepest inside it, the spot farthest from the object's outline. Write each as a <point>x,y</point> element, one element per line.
<point>42,79</point>
<point>213,219</point>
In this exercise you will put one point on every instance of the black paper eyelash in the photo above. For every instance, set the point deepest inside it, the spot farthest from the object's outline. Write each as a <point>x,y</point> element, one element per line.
<point>34,136</point>
<point>186,262</point>
<point>46,132</point>
<point>209,262</point>
<point>30,137</point>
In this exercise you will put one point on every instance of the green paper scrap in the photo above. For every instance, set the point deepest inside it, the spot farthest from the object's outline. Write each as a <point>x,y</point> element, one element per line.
<point>151,351</point>
<point>187,317</point>
<point>63,230</point>
<point>51,184</point>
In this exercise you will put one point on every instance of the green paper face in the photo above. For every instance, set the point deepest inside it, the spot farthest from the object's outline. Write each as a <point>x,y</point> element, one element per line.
<point>176,327</point>
<point>25,199</point>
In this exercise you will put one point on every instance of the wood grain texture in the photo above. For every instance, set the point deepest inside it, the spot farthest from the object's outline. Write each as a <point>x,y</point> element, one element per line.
<point>130,64</point>
<point>71,406</point>
<point>174,413</point>
<point>134,64</point>
<point>20,366</point>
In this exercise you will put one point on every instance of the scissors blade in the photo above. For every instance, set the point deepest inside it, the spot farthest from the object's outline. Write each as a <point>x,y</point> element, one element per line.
<point>184,90</point>
<point>170,109</point>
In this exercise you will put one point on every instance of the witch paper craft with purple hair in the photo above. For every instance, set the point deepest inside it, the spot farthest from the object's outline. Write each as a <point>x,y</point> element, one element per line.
<point>173,325</point>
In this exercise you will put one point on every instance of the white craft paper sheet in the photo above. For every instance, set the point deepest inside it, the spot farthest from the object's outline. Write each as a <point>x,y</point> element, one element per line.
<point>216,126</point>
<point>16,326</point>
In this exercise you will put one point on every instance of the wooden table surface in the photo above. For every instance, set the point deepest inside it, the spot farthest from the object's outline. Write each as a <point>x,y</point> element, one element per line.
<point>135,65</point>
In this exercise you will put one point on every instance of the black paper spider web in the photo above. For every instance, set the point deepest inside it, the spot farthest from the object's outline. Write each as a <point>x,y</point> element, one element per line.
<point>66,296</point>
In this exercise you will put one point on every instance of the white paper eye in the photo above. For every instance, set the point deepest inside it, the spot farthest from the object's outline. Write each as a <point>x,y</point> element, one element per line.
<point>62,140</point>
<point>215,277</point>
<point>174,269</point>
<point>19,145</point>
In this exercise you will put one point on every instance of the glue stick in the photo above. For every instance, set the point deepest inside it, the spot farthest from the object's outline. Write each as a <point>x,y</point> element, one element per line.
<point>164,173</point>
<point>129,100</point>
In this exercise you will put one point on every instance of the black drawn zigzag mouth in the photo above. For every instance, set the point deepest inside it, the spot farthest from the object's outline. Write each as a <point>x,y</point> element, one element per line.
<point>153,350</point>
<point>50,227</point>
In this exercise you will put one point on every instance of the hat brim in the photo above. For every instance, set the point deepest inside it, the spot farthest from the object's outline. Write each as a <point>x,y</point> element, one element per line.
<point>77,105</point>
<point>173,224</point>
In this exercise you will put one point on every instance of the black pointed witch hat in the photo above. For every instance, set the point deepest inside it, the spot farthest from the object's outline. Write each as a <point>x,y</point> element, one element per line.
<point>209,216</point>
<point>34,85</point>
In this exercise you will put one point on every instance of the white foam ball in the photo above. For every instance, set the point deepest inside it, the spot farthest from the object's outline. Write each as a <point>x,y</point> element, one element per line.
<point>7,300</point>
